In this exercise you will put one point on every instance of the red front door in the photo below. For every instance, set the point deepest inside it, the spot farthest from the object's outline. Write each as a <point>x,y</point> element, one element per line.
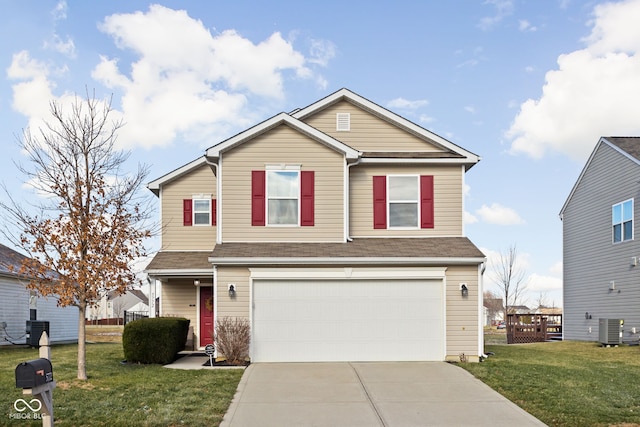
<point>206,315</point>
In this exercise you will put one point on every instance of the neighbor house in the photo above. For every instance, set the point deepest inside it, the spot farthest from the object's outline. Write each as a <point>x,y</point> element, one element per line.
<point>18,305</point>
<point>111,308</point>
<point>336,230</point>
<point>600,249</point>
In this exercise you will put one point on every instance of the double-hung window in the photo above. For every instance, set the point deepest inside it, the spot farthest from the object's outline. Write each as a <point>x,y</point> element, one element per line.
<point>202,211</point>
<point>283,192</point>
<point>622,221</point>
<point>404,200</point>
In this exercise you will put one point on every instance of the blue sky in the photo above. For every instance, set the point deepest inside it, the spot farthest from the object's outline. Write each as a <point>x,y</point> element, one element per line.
<point>528,85</point>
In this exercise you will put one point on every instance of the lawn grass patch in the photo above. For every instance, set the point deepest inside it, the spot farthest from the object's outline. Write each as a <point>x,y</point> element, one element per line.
<point>567,383</point>
<point>118,394</point>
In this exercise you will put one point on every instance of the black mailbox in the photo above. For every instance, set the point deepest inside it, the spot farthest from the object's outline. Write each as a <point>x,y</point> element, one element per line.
<point>34,373</point>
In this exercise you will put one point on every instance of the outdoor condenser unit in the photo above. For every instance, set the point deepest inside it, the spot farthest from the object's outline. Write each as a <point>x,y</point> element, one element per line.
<point>610,331</point>
<point>34,331</point>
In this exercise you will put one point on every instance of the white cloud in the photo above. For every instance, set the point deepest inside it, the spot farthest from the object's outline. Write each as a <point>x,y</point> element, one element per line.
<point>498,214</point>
<point>540,283</point>
<point>593,92</point>
<point>321,52</point>
<point>405,104</point>
<point>59,11</point>
<point>503,8</point>
<point>525,26</point>
<point>468,218</point>
<point>66,47</point>
<point>187,82</point>
<point>470,109</point>
<point>556,269</point>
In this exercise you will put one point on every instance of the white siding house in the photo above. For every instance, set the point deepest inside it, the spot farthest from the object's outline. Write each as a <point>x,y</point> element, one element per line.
<point>18,305</point>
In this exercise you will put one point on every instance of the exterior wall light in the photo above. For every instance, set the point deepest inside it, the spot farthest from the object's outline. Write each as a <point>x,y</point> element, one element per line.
<point>464,289</point>
<point>232,290</point>
<point>196,282</point>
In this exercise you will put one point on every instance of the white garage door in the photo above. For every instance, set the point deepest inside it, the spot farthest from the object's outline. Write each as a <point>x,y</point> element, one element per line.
<point>347,320</point>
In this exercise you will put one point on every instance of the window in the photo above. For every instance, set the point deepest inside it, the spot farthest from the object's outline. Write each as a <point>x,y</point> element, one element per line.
<point>201,211</point>
<point>287,199</point>
<point>404,195</point>
<point>283,191</point>
<point>403,201</point>
<point>622,221</point>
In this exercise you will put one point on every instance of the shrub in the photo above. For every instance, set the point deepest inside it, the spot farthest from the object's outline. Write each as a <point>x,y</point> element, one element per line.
<point>233,336</point>
<point>154,340</point>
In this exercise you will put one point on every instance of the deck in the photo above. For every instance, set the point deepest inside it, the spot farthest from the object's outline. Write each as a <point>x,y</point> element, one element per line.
<point>527,328</point>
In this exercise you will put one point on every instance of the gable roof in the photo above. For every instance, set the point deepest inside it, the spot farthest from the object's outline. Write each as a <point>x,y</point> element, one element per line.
<point>627,146</point>
<point>176,173</point>
<point>279,119</point>
<point>10,261</point>
<point>451,150</point>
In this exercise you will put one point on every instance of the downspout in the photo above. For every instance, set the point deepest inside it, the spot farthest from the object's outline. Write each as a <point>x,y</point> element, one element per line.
<point>218,198</point>
<point>347,190</point>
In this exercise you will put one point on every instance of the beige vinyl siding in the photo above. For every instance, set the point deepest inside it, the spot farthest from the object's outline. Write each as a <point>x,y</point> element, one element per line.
<point>282,146</point>
<point>175,236</point>
<point>239,306</point>
<point>590,258</point>
<point>180,299</point>
<point>448,200</point>
<point>462,313</point>
<point>368,132</point>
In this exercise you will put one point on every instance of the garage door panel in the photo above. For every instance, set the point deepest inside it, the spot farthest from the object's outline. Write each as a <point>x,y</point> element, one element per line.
<point>347,320</point>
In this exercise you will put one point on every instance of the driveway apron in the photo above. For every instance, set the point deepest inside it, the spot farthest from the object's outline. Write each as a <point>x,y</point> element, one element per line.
<point>368,394</point>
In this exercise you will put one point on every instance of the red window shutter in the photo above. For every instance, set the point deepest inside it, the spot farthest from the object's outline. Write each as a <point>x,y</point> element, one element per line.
<point>307,202</point>
<point>426,201</point>
<point>379,202</point>
<point>258,191</point>
<point>187,212</point>
<point>214,212</point>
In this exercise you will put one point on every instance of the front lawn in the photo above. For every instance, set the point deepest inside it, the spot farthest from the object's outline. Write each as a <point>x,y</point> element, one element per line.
<point>567,383</point>
<point>118,394</point>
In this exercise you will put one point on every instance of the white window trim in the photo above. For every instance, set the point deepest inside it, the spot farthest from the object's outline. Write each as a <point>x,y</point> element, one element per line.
<point>417,201</point>
<point>200,197</point>
<point>622,240</point>
<point>281,168</point>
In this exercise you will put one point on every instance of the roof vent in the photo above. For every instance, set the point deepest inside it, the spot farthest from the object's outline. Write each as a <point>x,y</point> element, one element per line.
<point>343,122</point>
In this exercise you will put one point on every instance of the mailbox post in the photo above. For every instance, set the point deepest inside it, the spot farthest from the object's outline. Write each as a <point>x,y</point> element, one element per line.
<point>35,377</point>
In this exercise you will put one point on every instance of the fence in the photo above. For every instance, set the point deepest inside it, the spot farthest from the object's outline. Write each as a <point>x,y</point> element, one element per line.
<point>130,316</point>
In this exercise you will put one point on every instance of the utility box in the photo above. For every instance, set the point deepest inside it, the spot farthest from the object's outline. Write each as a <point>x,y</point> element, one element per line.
<point>610,331</point>
<point>34,373</point>
<point>35,328</point>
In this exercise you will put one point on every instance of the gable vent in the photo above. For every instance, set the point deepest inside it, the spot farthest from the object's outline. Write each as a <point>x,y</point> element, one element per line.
<point>343,122</point>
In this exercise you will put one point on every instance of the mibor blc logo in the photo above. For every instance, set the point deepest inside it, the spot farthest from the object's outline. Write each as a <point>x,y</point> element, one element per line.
<point>21,405</point>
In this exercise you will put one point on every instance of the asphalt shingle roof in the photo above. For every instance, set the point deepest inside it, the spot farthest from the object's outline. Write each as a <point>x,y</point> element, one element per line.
<point>630,144</point>
<point>392,248</point>
<point>10,258</point>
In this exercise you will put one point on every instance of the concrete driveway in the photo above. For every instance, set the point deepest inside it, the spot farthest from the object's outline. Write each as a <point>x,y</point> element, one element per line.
<point>368,394</point>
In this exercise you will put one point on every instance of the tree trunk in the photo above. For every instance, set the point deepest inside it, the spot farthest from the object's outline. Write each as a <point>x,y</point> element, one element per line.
<point>82,347</point>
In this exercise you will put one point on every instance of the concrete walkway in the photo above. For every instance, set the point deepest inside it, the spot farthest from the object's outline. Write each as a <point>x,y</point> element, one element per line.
<point>393,394</point>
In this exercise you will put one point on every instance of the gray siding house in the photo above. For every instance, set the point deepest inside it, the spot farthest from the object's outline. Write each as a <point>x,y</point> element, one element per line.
<point>18,305</point>
<point>601,251</point>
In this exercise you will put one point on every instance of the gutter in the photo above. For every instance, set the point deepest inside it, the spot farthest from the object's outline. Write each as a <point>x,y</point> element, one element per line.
<point>348,260</point>
<point>218,199</point>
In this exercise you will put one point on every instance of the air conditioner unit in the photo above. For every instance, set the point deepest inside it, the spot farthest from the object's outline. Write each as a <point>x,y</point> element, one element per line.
<point>35,328</point>
<point>610,331</point>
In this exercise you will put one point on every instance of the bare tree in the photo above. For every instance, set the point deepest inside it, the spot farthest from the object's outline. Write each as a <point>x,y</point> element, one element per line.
<point>510,278</point>
<point>91,220</point>
<point>494,304</point>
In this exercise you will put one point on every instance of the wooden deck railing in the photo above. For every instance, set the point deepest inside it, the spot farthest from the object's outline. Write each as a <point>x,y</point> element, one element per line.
<point>526,328</point>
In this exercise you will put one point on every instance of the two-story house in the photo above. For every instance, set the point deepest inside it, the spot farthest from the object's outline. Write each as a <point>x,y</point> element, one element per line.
<point>601,254</point>
<point>337,230</point>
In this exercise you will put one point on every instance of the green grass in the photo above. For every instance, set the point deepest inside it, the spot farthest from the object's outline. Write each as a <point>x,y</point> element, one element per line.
<point>117,394</point>
<point>567,383</point>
